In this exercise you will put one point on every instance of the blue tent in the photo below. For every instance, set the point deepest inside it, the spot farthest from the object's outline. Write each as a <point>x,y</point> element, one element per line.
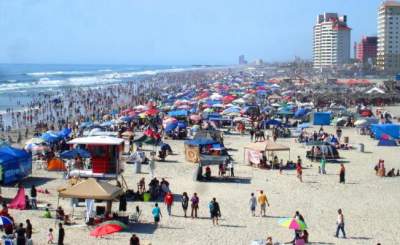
<point>392,130</point>
<point>301,112</point>
<point>200,142</point>
<point>322,118</point>
<point>387,142</point>
<point>71,154</point>
<point>15,164</point>
<point>178,113</point>
<point>51,137</point>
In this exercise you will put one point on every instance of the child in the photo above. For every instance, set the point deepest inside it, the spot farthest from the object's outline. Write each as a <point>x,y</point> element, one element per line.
<point>50,237</point>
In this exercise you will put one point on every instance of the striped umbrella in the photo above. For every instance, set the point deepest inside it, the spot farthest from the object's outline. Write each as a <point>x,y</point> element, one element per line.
<point>292,223</point>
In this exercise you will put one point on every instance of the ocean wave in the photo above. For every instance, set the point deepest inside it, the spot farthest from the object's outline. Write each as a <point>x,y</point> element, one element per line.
<point>58,73</point>
<point>44,80</point>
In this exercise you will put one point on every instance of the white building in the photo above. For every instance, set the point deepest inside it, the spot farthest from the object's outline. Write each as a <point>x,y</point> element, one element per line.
<point>388,57</point>
<point>331,41</point>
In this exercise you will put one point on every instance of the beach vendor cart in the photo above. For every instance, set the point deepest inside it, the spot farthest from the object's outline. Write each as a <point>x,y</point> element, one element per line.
<point>105,153</point>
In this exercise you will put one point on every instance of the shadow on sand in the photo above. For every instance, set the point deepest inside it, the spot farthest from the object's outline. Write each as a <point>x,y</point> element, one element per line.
<point>237,180</point>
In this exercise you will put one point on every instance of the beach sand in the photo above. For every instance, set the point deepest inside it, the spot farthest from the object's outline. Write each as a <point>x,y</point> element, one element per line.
<point>369,203</point>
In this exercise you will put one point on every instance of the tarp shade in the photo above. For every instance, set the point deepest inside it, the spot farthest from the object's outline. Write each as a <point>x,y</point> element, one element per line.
<point>91,189</point>
<point>392,130</point>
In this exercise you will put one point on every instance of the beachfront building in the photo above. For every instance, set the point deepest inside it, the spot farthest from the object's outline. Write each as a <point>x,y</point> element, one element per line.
<point>366,50</point>
<point>388,56</point>
<point>242,60</point>
<point>331,41</point>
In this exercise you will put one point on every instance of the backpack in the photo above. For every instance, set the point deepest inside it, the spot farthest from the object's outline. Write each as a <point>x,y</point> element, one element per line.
<point>211,206</point>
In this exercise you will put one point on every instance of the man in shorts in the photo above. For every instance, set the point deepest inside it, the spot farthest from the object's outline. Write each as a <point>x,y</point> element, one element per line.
<point>263,201</point>
<point>156,214</point>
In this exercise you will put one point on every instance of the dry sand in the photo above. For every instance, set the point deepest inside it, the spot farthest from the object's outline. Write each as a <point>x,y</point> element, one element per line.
<point>370,203</point>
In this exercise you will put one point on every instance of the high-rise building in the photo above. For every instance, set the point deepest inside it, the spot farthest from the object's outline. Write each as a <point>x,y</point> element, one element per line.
<point>242,60</point>
<point>331,41</point>
<point>388,58</point>
<point>367,49</point>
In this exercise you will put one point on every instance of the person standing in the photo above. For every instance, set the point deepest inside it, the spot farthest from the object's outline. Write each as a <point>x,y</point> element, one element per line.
<point>195,205</point>
<point>340,224</point>
<point>252,132</point>
<point>322,165</point>
<point>342,174</point>
<point>263,201</point>
<point>215,211</point>
<point>20,232</point>
<point>61,234</point>
<point>152,164</point>
<point>33,197</point>
<point>134,240</point>
<point>338,133</point>
<point>169,200</point>
<point>156,214</point>
<point>28,229</point>
<point>253,204</point>
<point>185,203</point>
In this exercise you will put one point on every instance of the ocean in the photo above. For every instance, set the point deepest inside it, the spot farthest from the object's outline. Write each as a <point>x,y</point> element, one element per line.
<point>19,83</point>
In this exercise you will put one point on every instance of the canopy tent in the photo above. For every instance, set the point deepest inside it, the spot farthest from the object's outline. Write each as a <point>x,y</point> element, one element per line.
<point>15,164</point>
<point>97,140</point>
<point>193,148</point>
<point>252,152</point>
<point>91,189</point>
<point>56,164</point>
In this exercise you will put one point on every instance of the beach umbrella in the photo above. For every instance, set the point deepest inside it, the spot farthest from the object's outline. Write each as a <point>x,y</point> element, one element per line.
<point>216,96</point>
<point>293,224</point>
<point>151,112</point>
<point>195,117</point>
<point>106,229</point>
<point>128,134</point>
<point>115,222</point>
<point>5,220</point>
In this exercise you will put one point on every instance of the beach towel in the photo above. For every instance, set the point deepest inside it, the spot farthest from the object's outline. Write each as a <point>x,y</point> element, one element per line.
<point>19,200</point>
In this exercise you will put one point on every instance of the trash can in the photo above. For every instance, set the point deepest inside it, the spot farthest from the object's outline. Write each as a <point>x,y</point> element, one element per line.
<point>138,167</point>
<point>346,139</point>
<point>361,147</point>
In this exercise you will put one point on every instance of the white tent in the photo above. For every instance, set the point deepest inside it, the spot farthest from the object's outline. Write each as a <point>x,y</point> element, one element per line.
<point>375,90</point>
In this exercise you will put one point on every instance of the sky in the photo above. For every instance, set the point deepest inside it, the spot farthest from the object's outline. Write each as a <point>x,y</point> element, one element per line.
<point>168,32</point>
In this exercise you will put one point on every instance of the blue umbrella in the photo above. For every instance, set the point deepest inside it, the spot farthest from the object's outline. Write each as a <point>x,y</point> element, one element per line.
<point>303,125</point>
<point>5,220</point>
<point>71,154</point>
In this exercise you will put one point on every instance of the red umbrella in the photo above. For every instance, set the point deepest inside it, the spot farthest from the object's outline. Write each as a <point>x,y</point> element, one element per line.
<point>106,229</point>
<point>151,112</point>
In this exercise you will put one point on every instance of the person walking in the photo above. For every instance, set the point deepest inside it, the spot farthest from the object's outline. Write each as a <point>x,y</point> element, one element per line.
<point>156,214</point>
<point>342,174</point>
<point>33,197</point>
<point>215,211</point>
<point>253,204</point>
<point>263,201</point>
<point>169,200</point>
<point>61,234</point>
<point>185,203</point>
<point>194,205</point>
<point>340,224</point>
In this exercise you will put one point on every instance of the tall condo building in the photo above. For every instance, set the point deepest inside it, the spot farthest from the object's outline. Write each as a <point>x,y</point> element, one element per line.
<point>388,57</point>
<point>367,49</point>
<point>242,60</point>
<point>331,41</point>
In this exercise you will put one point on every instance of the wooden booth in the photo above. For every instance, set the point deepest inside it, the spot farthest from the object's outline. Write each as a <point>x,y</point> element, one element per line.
<point>105,155</point>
